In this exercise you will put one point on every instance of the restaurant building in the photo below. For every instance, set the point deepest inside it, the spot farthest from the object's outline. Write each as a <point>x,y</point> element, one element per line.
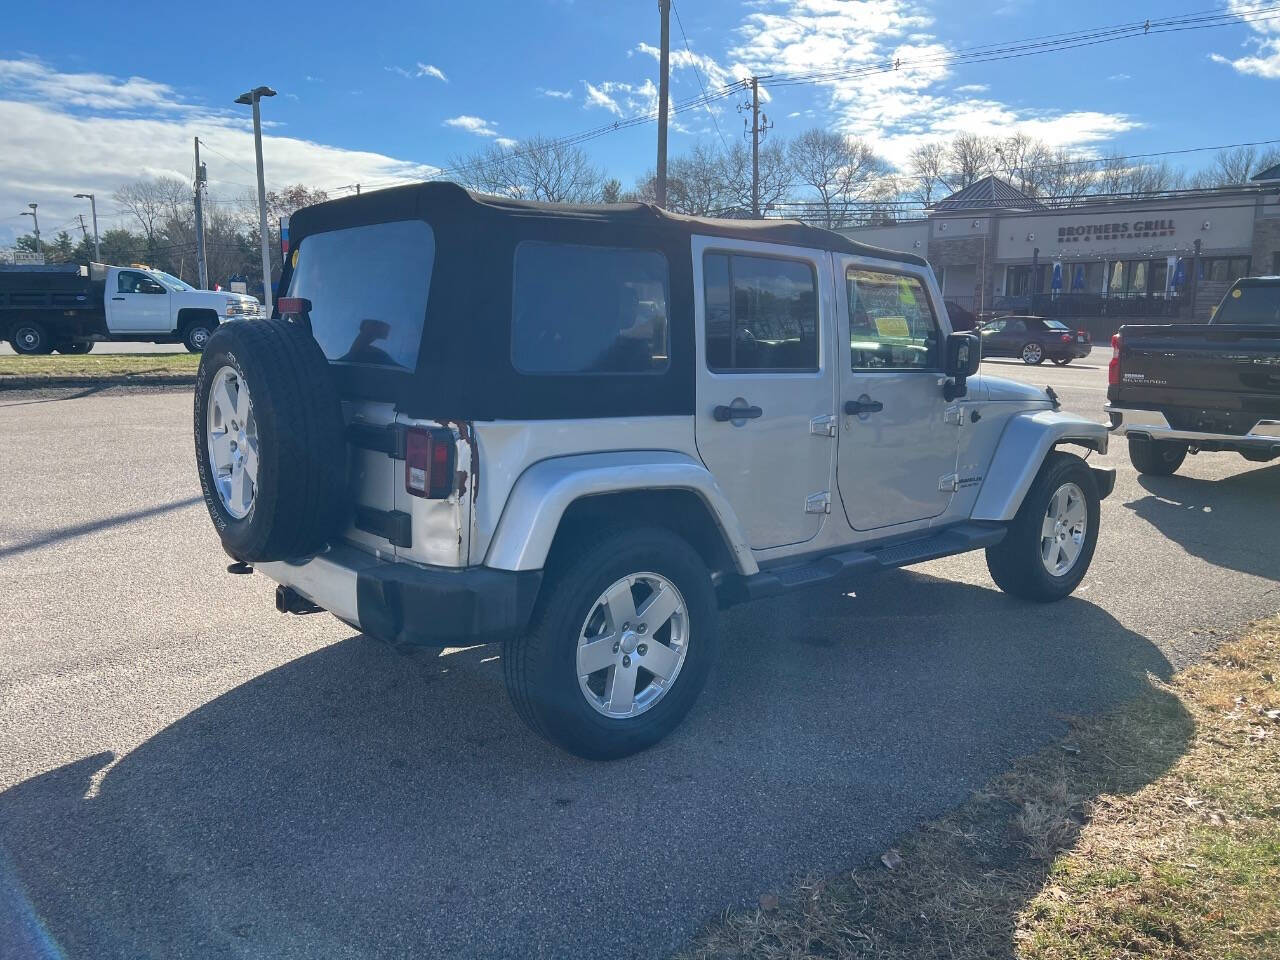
<point>1101,262</point>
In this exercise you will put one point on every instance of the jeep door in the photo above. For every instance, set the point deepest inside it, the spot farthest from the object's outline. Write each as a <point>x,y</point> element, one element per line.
<point>897,450</point>
<point>765,384</point>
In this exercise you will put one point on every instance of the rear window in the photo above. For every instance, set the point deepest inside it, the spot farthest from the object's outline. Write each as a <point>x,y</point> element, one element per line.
<point>368,290</point>
<point>1054,325</point>
<point>584,309</point>
<point>1251,304</point>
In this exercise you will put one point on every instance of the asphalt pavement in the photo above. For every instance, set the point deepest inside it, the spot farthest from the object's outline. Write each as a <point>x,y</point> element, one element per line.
<point>186,773</point>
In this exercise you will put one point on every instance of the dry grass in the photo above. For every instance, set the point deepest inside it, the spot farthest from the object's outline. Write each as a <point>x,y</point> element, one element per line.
<point>1152,831</point>
<point>105,366</point>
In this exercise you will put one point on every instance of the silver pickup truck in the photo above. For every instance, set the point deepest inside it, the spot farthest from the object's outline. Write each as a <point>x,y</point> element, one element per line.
<point>581,431</point>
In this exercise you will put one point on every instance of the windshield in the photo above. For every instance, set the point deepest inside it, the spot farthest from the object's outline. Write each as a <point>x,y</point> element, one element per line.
<point>173,283</point>
<point>1251,304</point>
<point>368,291</point>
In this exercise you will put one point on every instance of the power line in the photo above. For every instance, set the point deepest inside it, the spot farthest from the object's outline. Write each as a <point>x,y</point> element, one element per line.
<point>697,73</point>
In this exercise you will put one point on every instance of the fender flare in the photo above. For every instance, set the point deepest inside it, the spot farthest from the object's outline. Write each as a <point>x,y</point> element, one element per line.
<point>1027,439</point>
<point>543,493</point>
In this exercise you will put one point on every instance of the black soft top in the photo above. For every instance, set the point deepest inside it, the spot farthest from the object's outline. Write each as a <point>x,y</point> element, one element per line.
<point>464,368</point>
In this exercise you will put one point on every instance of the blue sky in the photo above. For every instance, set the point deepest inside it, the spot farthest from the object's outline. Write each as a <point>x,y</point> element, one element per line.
<point>381,93</point>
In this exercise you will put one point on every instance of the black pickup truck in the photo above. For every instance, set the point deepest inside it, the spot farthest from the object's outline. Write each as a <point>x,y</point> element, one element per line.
<point>1196,387</point>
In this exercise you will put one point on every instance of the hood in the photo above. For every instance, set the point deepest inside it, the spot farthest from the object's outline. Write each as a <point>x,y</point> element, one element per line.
<point>999,388</point>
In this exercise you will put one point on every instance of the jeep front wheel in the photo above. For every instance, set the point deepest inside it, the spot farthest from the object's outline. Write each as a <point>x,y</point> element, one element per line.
<point>621,643</point>
<point>1050,542</point>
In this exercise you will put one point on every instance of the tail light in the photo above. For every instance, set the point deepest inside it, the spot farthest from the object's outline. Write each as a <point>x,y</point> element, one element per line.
<point>293,305</point>
<point>428,463</point>
<point>1066,338</point>
<point>1082,334</point>
<point>1113,368</point>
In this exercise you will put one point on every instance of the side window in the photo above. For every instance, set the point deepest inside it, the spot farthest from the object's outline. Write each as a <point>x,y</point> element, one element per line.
<point>995,326</point>
<point>891,322</point>
<point>583,309</point>
<point>1017,326</point>
<point>129,281</point>
<point>761,314</point>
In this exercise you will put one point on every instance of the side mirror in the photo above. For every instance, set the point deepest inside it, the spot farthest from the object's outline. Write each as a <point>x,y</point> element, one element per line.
<point>963,356</point>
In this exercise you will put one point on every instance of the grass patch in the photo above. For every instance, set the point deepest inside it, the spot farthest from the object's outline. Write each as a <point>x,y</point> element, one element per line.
<point>1151,831</point>
<point>106,366</point>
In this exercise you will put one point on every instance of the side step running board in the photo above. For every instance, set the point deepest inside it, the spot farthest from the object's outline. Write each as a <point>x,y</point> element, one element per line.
<point>852,564</point>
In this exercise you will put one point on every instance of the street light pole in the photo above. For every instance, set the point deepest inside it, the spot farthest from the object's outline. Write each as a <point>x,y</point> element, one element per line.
<point>93,206</point>
<point>35,222</point>
<point>664,70</point>
<point>252,97</point>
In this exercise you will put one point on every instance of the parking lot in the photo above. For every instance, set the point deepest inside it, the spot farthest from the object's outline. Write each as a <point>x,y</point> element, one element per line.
<point>185,772</point>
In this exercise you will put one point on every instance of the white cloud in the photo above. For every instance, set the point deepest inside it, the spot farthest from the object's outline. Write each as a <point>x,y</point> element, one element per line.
<point>431,70</point>
<point>898,108</point>
<point>506,142</point>
<point>556,94</point>
<point>1120,76</point>
<point>129,142</point>
<point>33,80</point>
<point>713,74</point>
<point>621,98</point>
<point>477,125</point>
<point>1265,60</point>
<point>401,71</point>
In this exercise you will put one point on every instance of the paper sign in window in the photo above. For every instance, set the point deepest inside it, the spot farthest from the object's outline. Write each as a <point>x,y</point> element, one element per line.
<point>892,327</point>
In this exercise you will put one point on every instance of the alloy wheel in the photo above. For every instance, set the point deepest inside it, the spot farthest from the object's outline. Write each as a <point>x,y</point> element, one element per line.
<point>1062,533</point>
<point>232,436</point>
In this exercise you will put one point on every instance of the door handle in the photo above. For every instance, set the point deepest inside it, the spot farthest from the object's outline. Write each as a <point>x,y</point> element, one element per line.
<point>117,298</point>
<point>724,413</point>
<point>863,406</point>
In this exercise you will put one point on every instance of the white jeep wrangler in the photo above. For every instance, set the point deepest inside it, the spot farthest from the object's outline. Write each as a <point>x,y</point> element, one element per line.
<point>579,431</point>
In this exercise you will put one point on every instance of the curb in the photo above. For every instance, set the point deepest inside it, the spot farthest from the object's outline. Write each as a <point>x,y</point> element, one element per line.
<point>35,383</point>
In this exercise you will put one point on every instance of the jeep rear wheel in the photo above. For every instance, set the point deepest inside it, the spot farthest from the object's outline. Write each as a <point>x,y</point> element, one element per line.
<point>1051,540</point>
<point>269,440</point>
<point>1157,458</point>
<point>621,643</point>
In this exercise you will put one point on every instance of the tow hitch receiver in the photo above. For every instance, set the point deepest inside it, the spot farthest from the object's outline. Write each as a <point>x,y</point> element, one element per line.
<point>289,600</point>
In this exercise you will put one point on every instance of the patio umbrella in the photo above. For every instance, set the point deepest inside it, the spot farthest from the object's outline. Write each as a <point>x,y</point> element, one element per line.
<point>1077,280</point>
<point>1056,283</point>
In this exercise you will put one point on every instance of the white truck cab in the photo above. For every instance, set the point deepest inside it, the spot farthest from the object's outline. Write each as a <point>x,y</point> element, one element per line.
<point>142,300</point>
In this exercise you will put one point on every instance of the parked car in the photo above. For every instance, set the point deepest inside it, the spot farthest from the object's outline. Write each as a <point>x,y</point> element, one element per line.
<point>1175,389</point>
<point>580,431</point>
<point>961,318</point>
<point>68,307</point>
<point>1033,339</point>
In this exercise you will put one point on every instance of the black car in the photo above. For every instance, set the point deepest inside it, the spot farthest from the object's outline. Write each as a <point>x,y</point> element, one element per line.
<point>1032,339</point>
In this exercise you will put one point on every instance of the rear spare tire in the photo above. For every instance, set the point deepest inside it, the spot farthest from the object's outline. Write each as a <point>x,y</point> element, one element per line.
<point>269,440</point>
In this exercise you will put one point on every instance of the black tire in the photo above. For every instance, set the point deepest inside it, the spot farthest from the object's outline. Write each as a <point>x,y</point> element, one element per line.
<point>1029,349</point>
<point>541,666</point>
<point>75,348</point>
<point>196,334</point>
<point>300,497</point>
<point>1060,361</point>
<point>1157,458</point>
<point>30,338</point>
<point>1015,563</point>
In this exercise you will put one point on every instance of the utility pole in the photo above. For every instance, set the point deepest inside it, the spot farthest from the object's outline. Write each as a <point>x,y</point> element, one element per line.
<point>35,223</point>
<point>84,231</point>
<point>252,97</point>
<point>201,263</point>
<point>93,207</point>
<point>758,127</point>
<point>664,70</point>
<point>357,189</point>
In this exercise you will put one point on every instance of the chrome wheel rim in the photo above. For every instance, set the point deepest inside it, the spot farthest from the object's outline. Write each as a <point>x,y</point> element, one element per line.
<point>632,645</point>
<point>232,435</point>
<point>1032,352</point>
<point>1063,531</point>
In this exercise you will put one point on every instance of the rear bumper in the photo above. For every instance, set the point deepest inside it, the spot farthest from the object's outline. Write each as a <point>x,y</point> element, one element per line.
<point>406,604</point>
<point>1263,435</point>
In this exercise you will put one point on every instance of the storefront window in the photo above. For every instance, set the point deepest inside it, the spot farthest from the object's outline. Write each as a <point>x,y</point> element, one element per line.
<point>1225,269</point>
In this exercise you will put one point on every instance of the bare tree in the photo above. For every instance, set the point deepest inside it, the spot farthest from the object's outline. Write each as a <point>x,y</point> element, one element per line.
<point>1063,175</point>
<point>928,167</point>
<point>843,171</point>
<point>151,202</point>
<point>1234,166</point>
<point>695,183</point>
<point>1120,175</point>
<point>535,169</point>
<point>776,178</point>
<point>970,158</point>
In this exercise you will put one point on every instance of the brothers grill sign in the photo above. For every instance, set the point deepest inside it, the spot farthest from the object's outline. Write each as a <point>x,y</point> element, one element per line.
<point>1137,230</point>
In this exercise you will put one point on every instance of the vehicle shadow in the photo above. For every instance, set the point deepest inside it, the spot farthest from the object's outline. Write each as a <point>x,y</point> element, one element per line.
<point>1193,513</point>
<point>355,802</point>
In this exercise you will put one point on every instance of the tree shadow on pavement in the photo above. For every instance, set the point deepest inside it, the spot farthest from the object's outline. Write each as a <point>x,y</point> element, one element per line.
<point>355,802</point>
<point>1194,512</point>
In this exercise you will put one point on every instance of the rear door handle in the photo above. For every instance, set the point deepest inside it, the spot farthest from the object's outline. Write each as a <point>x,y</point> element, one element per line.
<point>863,406</point>
<point>724,413</point>
<point>117,298</point>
